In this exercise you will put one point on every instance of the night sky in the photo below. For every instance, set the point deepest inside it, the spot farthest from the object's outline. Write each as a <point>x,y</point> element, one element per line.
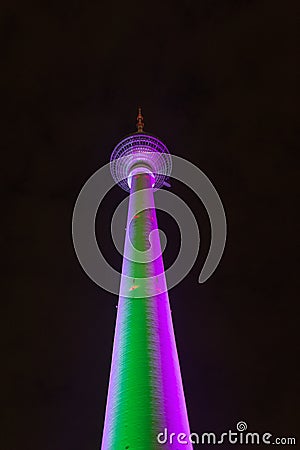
<point>217,83</point>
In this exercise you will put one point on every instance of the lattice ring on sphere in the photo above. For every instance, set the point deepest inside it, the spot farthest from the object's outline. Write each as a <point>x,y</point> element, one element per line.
<point>141,150</point>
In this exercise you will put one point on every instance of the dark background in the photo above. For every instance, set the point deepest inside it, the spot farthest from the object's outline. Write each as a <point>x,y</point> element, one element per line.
<point>217,82</point>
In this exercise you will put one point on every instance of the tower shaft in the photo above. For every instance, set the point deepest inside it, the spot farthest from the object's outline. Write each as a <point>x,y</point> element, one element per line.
<point>145,394</point>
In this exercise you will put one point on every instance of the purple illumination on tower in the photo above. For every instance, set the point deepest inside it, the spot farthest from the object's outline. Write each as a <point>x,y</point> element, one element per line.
<point>145,394</point>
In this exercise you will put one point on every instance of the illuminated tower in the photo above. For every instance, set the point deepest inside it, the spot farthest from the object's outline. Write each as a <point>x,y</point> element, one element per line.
<point>145,394</point>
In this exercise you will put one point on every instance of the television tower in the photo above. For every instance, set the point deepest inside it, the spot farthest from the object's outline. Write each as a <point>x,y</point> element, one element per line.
<point>145,394</point>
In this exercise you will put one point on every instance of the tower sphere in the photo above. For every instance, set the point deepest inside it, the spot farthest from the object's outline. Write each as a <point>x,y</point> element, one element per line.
<point>143,151</point>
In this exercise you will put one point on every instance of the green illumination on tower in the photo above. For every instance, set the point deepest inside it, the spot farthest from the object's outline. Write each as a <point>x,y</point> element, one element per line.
<point>145,393</point>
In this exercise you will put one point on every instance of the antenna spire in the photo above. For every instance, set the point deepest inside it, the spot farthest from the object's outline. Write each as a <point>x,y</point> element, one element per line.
<point>140,121</point>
